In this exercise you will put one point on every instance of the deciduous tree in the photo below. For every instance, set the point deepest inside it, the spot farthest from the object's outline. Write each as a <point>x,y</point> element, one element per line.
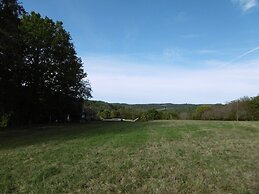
<point>54,80</point>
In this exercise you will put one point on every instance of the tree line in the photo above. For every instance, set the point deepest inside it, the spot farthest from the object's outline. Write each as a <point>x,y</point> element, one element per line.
<point>246,109</point>
<point>41,77</point>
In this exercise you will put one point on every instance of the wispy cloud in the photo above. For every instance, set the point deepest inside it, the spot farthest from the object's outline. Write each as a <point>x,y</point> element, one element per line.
<point>246,4</point>
<point>244,54</point>
<point>172,54</point>
<point>121,80</point>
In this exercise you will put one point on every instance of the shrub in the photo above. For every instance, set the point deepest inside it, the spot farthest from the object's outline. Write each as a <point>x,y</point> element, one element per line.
<point>4,119</point>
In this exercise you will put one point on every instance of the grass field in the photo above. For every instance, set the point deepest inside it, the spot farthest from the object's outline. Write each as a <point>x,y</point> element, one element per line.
<point>151,157</point>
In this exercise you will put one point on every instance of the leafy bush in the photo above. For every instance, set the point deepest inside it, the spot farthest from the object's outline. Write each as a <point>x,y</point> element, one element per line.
<point>4,119</point>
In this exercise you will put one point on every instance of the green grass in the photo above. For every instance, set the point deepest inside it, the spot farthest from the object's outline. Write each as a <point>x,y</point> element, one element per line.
<point>151,157</point>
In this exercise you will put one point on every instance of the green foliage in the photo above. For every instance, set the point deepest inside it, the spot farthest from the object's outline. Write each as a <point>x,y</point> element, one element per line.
<point>10,55</point>
<point>154,114</point>
<point>151,114</point>
<point>106,114</point>
<point>54,76</point>
<point>4,119</point>
<point>115,114</point>
<point>49,51</point>
<point>106,110</point>
<point>169,115</point>
<point>41,77</point>
<point>244,108</point>
<point>200,110</point>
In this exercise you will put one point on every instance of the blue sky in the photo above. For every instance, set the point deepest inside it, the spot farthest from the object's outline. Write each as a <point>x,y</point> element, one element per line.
<point>179,51</point>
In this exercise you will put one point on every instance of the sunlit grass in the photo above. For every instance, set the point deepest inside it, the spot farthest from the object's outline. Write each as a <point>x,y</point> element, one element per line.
<point>152,157</point>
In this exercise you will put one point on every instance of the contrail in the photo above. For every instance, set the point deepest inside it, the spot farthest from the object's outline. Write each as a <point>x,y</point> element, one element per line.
<point>244,54</point>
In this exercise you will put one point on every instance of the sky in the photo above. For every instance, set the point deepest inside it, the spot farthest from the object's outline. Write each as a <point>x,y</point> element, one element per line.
<point>157,51</point>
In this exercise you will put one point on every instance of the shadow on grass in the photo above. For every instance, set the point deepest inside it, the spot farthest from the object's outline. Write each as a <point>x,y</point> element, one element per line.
<point>121,133</point>
<point>26,136</point>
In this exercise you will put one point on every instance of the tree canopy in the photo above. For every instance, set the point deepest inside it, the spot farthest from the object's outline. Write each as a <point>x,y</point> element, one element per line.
<point>10,54</point>
<point>42,79</point>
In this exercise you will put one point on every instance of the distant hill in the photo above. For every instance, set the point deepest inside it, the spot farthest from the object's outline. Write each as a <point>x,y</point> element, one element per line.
<point>161,106</point>
<point>242,109</point>
<point>101,105</point>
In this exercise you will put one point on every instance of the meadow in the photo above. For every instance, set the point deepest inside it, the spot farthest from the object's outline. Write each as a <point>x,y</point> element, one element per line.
<point>141,157</point>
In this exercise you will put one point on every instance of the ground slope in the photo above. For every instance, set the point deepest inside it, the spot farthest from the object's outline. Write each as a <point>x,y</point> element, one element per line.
<point>153,157</point>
